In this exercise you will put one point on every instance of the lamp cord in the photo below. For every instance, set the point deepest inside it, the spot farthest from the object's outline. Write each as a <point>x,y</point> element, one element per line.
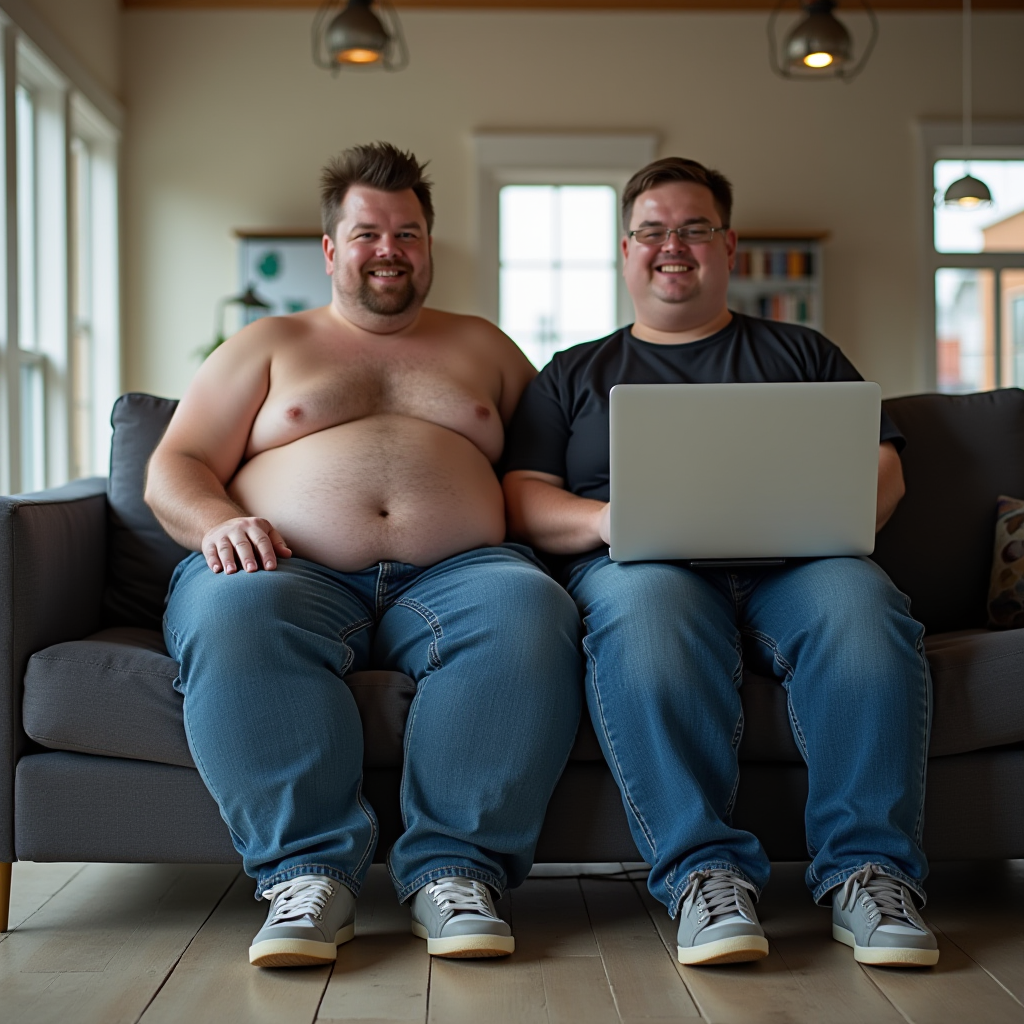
<point>967,78</point>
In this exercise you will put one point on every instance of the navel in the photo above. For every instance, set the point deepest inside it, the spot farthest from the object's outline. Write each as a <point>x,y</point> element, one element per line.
<point>383,513</point>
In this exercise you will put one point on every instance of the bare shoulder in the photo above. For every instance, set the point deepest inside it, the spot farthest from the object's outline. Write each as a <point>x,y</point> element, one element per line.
<point>490,343</point>
<point>475,331</point>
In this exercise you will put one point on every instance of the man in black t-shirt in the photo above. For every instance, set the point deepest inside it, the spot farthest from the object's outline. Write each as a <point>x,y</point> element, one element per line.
<point>666,644</point>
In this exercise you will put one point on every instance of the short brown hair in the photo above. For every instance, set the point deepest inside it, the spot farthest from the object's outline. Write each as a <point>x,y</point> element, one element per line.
<point>677,168</point>
<point>377,165</point>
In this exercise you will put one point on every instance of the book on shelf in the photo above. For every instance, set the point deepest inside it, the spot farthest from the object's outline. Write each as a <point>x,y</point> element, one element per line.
<point>758,263</point>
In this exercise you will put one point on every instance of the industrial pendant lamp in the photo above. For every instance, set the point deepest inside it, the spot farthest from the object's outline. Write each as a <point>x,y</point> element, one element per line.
<point>357,36</point>
<point>819,46</point>
<point>967,192</point>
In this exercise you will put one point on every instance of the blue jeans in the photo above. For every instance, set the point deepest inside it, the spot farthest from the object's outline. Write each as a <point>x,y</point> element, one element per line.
<point>665,646</point>
<point>492,643</point>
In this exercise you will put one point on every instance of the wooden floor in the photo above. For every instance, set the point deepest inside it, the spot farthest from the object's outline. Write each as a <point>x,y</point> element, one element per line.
<point>111,943</point>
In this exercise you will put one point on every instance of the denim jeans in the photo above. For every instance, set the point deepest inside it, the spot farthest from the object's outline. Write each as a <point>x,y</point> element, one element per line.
<point>492,643</point>
<point>665,646</point>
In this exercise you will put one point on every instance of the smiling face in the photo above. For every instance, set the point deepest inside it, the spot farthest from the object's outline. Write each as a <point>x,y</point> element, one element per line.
<point>678,286</point>
<point>379,258</point>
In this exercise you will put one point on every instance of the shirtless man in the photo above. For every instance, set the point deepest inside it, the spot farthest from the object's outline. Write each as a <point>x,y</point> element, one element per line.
<point>350,450</point>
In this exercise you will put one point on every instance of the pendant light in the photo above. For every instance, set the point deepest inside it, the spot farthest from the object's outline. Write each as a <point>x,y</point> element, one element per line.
<point>967,192</point>
<point>819,46</point>
<point>357,36</point>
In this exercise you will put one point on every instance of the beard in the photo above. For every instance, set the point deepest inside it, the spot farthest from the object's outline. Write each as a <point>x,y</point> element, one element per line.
<point>397,297</point>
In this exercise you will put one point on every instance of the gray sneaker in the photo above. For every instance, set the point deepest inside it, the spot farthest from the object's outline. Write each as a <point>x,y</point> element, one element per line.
<point>717,923</point>
<point>310,916</point>
<point>876,915</point>
<point>457,918</point>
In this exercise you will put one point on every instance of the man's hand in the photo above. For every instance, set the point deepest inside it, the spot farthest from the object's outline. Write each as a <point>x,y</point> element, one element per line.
<point>247,541</point>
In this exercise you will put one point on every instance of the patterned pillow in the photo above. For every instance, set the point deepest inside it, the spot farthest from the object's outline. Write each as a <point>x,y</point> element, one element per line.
<point>1006,593</point>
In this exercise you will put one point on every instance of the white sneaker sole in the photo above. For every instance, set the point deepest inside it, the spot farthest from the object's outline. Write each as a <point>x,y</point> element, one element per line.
<point>299,952</point>
<point>882,956</point>
<point>466,945</point>
<point>735,950</point>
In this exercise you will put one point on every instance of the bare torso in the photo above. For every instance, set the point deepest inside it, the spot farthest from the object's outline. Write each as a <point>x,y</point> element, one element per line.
<point>372,448</point>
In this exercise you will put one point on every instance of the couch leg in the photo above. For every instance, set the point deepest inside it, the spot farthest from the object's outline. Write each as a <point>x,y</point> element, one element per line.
<point>5,896</point>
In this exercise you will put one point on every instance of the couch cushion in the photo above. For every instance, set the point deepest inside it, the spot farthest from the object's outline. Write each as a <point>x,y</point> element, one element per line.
<point>113,694</point>
<point>962,452</point>
<point>140,555</point>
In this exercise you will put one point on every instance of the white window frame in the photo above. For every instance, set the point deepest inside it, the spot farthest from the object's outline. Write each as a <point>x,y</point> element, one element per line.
<point>35,56</point>
<point>943,140</point>
<point>519,158</point>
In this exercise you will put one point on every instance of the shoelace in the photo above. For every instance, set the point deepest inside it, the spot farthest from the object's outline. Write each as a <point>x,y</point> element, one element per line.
<point>299,897</point>
<point>888,897</point>
<point>721,891</point>
<point>462,896</point>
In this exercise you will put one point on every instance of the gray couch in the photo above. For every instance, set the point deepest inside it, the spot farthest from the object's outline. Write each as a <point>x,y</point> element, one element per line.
<point>93,760</point>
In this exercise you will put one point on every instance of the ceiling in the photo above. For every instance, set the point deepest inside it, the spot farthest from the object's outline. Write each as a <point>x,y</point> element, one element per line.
<point>594,5</point>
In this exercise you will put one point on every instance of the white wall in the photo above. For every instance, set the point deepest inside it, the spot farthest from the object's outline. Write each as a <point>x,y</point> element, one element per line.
<point>229,123</point>
<point>92,30</point>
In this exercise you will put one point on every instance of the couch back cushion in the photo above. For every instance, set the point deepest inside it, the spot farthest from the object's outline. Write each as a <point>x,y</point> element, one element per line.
<point>140,555</point>
<point>962,452</point>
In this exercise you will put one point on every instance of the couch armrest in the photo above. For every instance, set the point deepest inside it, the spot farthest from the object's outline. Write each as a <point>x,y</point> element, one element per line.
<point>53,549</point>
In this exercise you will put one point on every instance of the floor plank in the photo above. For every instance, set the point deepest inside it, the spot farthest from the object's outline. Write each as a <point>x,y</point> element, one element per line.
<point>980,908</point>
<point>383,974</point>
<point>33,885</point>
<point>102,946</point>
<point>499,991</point>
<point>576,989</point>
<point>214,982</point>
<point>643,978</point>
<point>954,991</point>
<point>551,919</point>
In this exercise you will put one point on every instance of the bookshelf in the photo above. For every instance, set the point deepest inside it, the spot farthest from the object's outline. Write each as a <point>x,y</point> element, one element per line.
<point>778,276</point>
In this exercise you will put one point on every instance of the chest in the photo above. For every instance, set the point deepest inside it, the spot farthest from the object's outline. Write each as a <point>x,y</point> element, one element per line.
<point>310,395</point>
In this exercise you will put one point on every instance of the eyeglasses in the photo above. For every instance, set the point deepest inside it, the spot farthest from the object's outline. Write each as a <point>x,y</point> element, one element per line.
<point>690,234</point>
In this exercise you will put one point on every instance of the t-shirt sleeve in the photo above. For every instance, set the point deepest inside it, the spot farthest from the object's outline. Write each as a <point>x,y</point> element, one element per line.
<point>538,433</point>
<point>837,367</point>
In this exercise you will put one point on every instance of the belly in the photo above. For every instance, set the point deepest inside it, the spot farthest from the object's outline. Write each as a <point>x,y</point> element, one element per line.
<point>383,488</point>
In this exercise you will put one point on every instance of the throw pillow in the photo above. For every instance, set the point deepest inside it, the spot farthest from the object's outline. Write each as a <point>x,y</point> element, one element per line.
<point>1006,593</point>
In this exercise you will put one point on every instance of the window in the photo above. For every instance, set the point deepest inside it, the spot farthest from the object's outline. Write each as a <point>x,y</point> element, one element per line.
<point>550,262</point>
<point>976,257</point>
<point>558,261</point>
<point>59,358</point>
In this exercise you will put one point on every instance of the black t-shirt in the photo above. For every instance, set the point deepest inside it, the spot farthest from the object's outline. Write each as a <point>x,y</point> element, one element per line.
<point>561,424</point>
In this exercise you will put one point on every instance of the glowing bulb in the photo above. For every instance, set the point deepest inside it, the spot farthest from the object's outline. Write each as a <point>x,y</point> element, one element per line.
<point>818,60</point>
<point>357,56</point>
<point>969,201</point>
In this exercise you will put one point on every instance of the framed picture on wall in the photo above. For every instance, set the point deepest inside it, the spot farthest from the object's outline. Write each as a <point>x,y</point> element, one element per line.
<point>285,269</point>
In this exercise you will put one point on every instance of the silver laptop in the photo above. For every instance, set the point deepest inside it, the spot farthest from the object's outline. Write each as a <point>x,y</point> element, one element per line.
<point>715,473</point>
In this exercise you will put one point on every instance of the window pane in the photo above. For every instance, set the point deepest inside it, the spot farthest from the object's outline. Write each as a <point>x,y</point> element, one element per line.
<point>995,228</point>
<point>33,458</point>
<point>587,223</point>
<point>557,266</point>
<point>527,304</point>
<point>80,242</point>
<point>964,329</point>
<point>1013,328</point>
<point>25,122</point>
<point>586,304</point>
<point>527,223</point>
